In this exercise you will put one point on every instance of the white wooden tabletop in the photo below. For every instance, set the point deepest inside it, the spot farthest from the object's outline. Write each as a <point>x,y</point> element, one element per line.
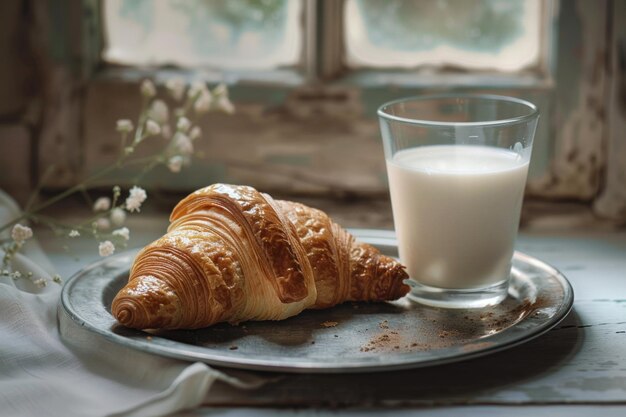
<point>578,368</point>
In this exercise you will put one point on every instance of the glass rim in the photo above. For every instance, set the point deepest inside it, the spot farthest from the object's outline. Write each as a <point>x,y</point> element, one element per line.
<point>534,111</point>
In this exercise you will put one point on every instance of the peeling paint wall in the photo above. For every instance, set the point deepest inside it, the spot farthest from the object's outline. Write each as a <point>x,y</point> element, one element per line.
<point>40,94</point>
<point>302,145</point>
<point>612,200</point>
<point>16,140</point>
<point>580,118</point>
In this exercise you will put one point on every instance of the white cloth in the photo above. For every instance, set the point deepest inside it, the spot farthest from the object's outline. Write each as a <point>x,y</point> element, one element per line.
<point>40,375</point>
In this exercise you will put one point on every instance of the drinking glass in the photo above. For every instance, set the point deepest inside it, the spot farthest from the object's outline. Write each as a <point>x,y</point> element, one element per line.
<point>457,167</point>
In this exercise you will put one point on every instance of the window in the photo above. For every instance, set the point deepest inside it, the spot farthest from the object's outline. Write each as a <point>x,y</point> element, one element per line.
<point>317,70</point>
<point>501,35</point>
<point>473,34</point>
<point>233,34</point>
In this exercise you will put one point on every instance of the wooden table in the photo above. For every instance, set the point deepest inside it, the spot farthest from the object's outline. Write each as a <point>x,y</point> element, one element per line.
<point>578,368</point>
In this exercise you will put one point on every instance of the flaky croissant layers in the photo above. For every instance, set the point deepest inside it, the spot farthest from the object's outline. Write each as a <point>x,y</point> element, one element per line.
<point>233,254</point>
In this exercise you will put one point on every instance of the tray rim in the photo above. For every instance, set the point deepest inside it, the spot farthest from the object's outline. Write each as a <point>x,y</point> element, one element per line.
<point>377,237</point>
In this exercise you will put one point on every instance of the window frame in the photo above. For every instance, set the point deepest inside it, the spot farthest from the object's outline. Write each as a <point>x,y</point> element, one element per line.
<point>331,16</point>
<point>323,70</point>
<point>323,58</point>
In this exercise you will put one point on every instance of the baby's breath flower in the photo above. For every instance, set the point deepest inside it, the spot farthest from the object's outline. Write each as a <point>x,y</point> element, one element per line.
<point>118,216</point>
<point>183,124</point>
<point>21,233</point>
<point>106,248</point>
<point>40,282</point>
<point>183,144</point>
<point>102,204</point>
<point>147,88</point>
<point>159,111</point>
<point>102,224</point>
<point>73,233</point>
<point>57,278</point>
<point>224,104</point>
<point>16,275</point>
<point>136,197</point>
<point>220,90</point>
<point>124,126</point>
<point>176,87</point>
<point>152,127</point>
<point>175,163</point>
<point>5,272</point>
<point>203,102</point>
<point>123,232</point>
<point>196,88</point>
<point>195,133</point>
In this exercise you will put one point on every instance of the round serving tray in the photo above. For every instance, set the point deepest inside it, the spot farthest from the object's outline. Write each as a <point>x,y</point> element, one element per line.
<point>353,337</point>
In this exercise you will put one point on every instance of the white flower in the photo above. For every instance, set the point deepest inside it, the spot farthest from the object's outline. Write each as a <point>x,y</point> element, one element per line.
<point>195,133</point>
<point>124,126</point>
<point>123,232</point>
<point>196,88</point>
<point>175,163</point>
<point>159,111</point>
<point>183,124</point>
<point>102,204</point>
<point>73,233</point>
<point>223,103</point>
<point>176,87</point>
<point>40,282</point>
<point>16,275</point>
<point>21,233</point>
<point>118,216</point>
<point>136,197</point>
<point>106,248</point>
<point>220,90</point>
<point>183,144</point>
<point>102,223</point>
<point>166,131</point>
<point>147,88</point>
<point>57,278</point>
<point>152,127</point>
<point>203,102</point>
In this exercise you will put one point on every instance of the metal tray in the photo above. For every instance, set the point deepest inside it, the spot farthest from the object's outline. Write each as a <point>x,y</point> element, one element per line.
<point>353,337</point>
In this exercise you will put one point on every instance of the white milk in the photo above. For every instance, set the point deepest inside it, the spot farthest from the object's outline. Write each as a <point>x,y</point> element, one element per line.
<point>456,211</point>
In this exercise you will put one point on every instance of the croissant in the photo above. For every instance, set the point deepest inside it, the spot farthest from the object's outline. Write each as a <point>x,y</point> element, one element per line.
<point>233,254</point>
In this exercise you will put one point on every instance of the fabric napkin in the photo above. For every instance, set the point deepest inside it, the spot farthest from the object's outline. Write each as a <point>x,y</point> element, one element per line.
<point>40,374</point>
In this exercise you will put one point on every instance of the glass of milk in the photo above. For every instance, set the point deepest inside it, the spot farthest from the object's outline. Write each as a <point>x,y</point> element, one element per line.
<point>457,167</point>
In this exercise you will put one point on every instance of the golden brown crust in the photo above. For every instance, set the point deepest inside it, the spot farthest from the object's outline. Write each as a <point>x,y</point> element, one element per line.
<point>234,254</point>
<point>344,269</point>
<point>266,226</point>
<point>314,229</point>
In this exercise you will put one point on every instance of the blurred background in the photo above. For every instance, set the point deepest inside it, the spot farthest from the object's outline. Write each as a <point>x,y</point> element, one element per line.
<point>306,77</point>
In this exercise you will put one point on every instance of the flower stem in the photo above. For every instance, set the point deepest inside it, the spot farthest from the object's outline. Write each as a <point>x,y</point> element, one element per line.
<point>40,183</point>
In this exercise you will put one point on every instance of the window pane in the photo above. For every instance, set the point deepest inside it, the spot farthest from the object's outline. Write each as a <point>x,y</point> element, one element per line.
<point>241,34</point>
<point>475,34</point>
